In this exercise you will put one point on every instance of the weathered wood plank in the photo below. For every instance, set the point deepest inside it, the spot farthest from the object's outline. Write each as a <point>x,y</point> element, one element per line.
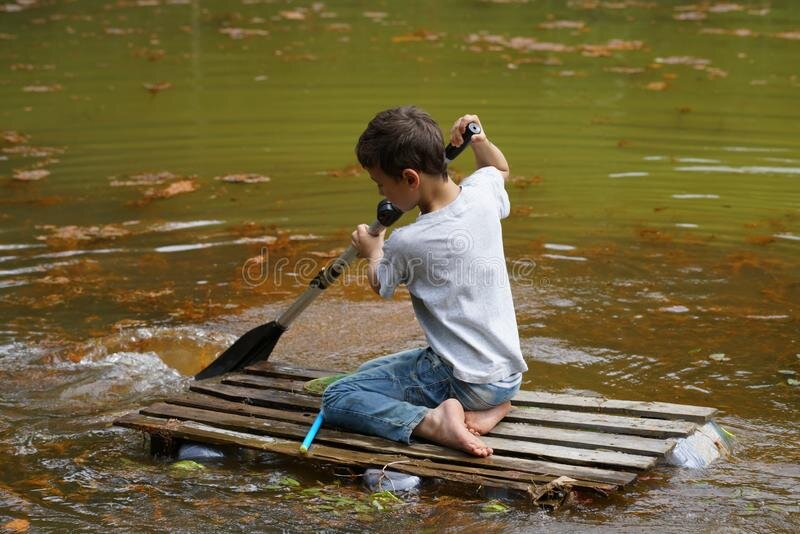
<point>261,397</point>
<point>657,410</point>
<point>283,429</point>
<point>584,439</point>
<point>553,436</point>
<point>268,368</point>
<point>207,434</point>
<point>617,424</point>
<point>264,382</point>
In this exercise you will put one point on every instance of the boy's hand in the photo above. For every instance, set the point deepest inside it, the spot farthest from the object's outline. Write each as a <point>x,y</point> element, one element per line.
<point>485,152</point>
<point>368,245</point>
<point>460,126</point>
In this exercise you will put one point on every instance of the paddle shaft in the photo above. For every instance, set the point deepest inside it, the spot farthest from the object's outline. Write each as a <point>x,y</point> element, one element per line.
<point>324,278</point>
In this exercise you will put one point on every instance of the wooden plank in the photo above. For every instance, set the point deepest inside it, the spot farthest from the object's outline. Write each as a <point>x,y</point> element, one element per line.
<point>554,436</point>
<point>264,382</point>
<point>282,399</point>
<point>617,424</point>
<point>419,450</point>
<point>191,430</point>
<point>657,410</point>
<point>268,368</point>
<point>584,439</point>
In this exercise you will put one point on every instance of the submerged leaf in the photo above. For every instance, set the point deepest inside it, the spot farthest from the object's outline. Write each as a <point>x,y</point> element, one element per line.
<point>187,465</point>
<point>494,507</point>
<point>17,525</point>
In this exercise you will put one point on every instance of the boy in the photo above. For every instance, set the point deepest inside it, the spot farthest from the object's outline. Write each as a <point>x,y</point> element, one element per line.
<point>451,259</point>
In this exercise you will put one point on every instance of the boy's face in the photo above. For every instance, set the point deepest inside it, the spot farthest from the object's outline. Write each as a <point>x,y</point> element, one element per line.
<point>403,193</point>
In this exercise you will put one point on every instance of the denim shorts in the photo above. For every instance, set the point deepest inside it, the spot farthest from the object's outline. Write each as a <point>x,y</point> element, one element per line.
<point>389,396</point>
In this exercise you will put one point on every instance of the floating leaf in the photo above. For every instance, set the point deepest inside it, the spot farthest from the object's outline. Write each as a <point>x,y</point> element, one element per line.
<point>13,137</point>
<point>294,14</point>
<point>30,175</point>
<point>243,178</point>
<point>289,481</point>
<point>157,87</point>
<point>173,189</point>
<point>656,86</point>
<point>563,25</point>
<point>416,36</point>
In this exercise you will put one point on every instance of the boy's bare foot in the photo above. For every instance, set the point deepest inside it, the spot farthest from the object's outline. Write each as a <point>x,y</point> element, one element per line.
<point>483,421</point>
<point>445,425</point>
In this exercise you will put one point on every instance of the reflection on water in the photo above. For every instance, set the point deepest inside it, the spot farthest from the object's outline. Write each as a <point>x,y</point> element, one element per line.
<point>652,243</point>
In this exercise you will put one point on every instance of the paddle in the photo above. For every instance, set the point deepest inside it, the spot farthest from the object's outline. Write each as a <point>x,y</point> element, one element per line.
<point>258,343</point>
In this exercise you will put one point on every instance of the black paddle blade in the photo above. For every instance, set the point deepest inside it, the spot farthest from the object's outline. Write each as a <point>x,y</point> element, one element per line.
<point>255,345</point>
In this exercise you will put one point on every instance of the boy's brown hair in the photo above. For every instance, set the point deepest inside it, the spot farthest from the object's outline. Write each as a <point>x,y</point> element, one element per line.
<point>402,138</point>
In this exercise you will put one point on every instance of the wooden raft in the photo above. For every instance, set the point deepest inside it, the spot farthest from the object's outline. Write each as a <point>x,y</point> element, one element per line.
<point>602,444</point>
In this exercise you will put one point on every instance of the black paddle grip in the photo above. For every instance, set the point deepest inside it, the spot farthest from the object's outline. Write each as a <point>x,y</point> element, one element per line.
<point>387,216</point>
<point>452,152</point>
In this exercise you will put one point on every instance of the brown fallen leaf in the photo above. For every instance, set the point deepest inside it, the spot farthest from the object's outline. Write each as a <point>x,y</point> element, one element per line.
<point>794,36</point>
<point>294,14</point>
<point>417,36</point>
<point>347,170</point>
<point>656,86</point>
<point>243,178</point>
<point>61,236</point>
<point>10,136</point>
<point>760,240</point>
<point>563,25</point>
<point>17,525</point>
<point>157,87</point>
<point>30,175</point>
<point>173,189</point>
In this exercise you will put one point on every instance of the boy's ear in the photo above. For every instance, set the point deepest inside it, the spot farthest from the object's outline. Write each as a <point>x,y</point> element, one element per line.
<point>412,178</point>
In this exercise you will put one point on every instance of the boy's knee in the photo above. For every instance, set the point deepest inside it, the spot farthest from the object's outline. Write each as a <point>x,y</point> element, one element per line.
<point>333,393</point>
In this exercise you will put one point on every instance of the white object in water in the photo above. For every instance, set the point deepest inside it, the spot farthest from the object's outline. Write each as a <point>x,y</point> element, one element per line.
<point>191,450</point>
<point>701,448</point>
<point>380,480</point>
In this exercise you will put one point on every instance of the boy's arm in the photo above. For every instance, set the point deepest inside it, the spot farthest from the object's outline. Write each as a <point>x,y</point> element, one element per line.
<point>486,153</point>
<point>371,248</point>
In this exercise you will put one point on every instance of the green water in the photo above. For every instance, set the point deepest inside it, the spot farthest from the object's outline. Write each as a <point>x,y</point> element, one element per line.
<point>656,194</point>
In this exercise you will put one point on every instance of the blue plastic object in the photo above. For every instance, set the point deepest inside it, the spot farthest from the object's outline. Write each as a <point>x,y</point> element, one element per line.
<point>312,433</point>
